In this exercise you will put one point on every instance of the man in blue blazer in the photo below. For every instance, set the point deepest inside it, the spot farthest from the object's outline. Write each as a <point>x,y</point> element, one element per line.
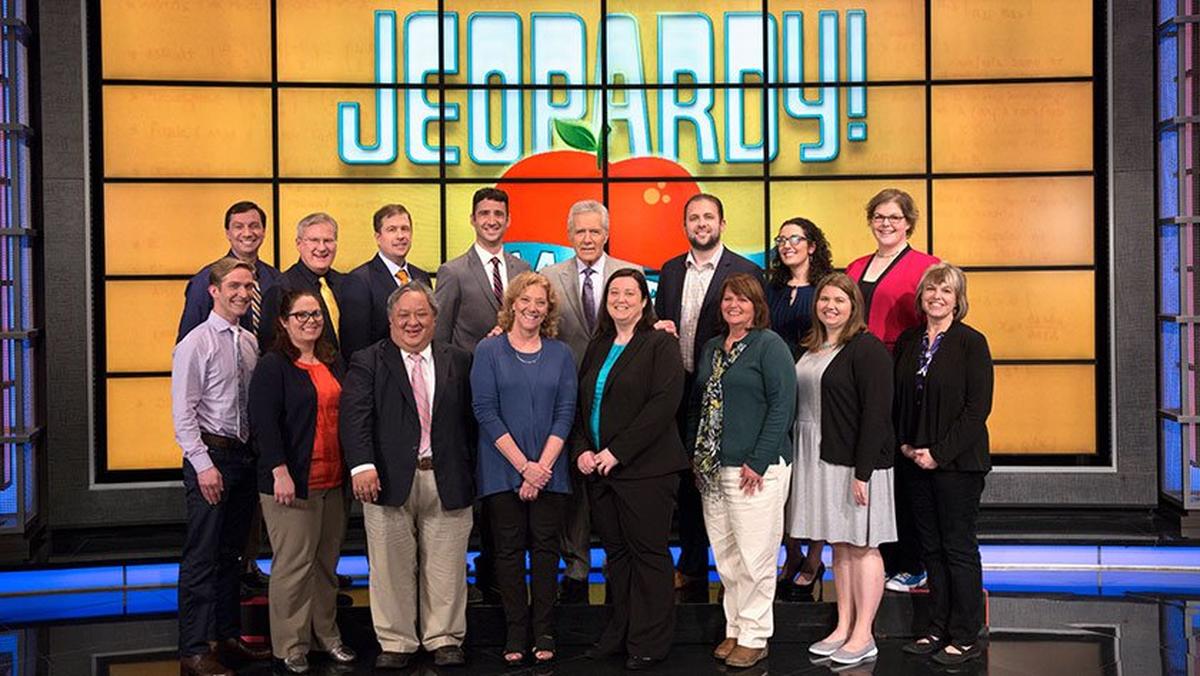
<point>366,288</point>
<point>688,304</point>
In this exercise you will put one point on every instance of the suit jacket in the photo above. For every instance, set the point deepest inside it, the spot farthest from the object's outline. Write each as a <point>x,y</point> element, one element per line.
<point>378,422</point>
<point>363,301</point>
<point>564,277</point>
<point>300,277</point>
<point>641,395</point>
<point>950,418</point>
<point>467,306</point>
<point>197,303</point>
<point>283,419</point>
<point>893,305</point>
<point>668,301</point>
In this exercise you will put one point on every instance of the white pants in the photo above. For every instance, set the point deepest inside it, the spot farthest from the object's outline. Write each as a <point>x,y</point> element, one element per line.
<point>745,532</point>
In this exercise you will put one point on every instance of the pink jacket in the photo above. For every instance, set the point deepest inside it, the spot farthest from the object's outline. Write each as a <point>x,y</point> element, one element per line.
<point>893,305</point>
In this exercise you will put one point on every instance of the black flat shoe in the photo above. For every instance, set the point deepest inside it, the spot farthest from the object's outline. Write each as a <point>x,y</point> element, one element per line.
<point>926,645</point>
<point>964,654</point>
<point>635,663</point>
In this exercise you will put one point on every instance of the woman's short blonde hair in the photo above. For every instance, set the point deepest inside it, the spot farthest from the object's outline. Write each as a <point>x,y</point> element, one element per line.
<point>517,286</point>
<point>945,273</point>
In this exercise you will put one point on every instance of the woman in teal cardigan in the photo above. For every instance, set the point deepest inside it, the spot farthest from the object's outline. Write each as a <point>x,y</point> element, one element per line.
<point>747,390</point>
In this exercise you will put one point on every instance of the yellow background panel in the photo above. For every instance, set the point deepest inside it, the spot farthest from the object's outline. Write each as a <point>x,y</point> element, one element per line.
<point>895,137</point>
<point>161,229</point>
<point>334,40</point>
<point>839,209</point>
<point>140,432</point>
<point>1012,127</point>
<point>1044,409</point>
<point>141,320</point>
<point>352,207</point>
<point>545,224</point>
<point>1035,315</point>
<point>308,135</point>
<point>186,132</point>
<point>151,39</point>
<point>1015,221</point>
<point>895,35</point>
<point>1011,38</point>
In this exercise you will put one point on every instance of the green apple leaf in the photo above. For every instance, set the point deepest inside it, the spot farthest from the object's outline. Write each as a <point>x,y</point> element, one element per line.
<point>576,135</point>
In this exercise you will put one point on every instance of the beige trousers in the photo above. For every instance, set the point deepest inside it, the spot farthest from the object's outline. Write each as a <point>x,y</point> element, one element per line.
<point>745,532</point>
<point>418,580</point>
<point>306,540</point>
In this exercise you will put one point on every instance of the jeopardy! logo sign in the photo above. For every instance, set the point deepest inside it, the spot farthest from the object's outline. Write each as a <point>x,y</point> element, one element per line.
<point>496,56</point>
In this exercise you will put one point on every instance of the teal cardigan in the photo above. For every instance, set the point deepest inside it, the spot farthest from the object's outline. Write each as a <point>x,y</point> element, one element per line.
<point>760,401</point>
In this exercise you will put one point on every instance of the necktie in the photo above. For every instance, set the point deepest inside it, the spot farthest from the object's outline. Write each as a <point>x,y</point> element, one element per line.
<point>402,276</point>
<point>331,306</point>
<point>255,307</point>
<point>243,415</point>
<point>589,299</point>
<point>416,376</point>
<point>497,285</point>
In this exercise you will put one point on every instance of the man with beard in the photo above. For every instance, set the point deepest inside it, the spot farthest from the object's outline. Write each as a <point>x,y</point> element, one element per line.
<point>688,306</point>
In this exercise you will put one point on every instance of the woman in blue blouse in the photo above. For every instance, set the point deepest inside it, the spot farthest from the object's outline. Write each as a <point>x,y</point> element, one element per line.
<point>523,386</point>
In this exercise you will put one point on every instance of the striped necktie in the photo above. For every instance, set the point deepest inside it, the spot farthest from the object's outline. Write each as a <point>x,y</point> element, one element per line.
<point>497,284</point>
<point>255,307</point>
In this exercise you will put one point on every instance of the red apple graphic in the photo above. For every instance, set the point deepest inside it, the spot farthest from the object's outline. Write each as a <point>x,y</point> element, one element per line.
<point>646,217</point>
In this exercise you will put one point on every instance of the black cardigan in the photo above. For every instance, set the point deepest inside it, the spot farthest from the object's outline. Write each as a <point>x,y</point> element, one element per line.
<point>856,407</point>
<point>283,419</point>
<point>951,421</point>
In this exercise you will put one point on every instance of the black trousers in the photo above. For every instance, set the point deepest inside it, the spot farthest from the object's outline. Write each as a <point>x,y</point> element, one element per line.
<point>633,519</point>
<point>946,507</point>
<point>693,536</point>
<point>518,526</point>
<point>210,565</point>
<point>904,555</point>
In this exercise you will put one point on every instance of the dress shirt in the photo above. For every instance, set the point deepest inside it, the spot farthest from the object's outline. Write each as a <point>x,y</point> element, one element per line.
<point>597,281</point>
<point>696,279</point>
<point>392,268</point>
<point>430,384</point>
<point>486,257</point>
<point>204,385</point>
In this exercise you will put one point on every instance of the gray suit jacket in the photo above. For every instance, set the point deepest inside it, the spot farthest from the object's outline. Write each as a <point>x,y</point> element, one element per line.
<point>564,277</point>
<point>467,305</point>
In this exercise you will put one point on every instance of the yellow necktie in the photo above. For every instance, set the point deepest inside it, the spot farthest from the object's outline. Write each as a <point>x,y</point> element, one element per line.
<point>331,306</point>
<point>402,275</point>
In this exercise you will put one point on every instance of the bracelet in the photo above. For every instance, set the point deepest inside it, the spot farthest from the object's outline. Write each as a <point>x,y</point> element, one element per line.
<point>523,468</point>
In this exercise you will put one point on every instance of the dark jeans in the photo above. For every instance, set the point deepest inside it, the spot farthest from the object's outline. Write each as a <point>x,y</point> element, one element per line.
<point>633,519</point>
<point>946,506</point>
<point>904,555</point>
<point>693,536</point>
<point>210,567</point>
<point>517,526</point>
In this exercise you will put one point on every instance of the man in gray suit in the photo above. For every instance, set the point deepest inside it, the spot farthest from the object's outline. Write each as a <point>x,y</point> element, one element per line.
<point>579,282</point>
<point>470,288</point>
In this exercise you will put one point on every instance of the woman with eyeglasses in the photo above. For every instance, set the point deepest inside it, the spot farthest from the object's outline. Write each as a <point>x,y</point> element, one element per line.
<point>293,402</point>
<point>802,258</point>
<point>888,280</point>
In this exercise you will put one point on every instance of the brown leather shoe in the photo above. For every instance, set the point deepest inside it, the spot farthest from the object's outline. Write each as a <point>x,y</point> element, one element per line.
<point>237,650</point>
<point>742,657</point>
<point>204,664</point>
<point>724,648</point>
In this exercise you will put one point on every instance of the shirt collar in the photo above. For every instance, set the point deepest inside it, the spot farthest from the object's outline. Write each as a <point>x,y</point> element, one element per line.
<point>392,268</point>
<point>598,266</point>
<point>218,323</point>
<point>486,257</point>
<point>714,261</point>
<point>427,353</point>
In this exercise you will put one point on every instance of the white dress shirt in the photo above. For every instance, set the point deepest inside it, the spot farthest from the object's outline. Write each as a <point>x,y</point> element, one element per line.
<point>486,257</point>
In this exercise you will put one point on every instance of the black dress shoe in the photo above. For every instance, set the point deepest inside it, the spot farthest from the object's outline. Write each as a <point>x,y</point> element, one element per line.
<point>635,663</point>
<point>449,656</point>
<point>204,664</point>
<point>390,660</point>
<point>237,650</point>
<point>572,591</point>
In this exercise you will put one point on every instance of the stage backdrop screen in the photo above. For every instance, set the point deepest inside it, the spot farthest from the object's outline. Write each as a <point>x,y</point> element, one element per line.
<point>983,110</point>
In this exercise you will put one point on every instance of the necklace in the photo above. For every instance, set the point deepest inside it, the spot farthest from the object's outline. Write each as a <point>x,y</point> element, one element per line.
<point>887,256</point>
<point>536,356</point>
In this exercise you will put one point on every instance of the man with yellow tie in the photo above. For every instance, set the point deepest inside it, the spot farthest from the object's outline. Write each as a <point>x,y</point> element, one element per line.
<point>366,288</point>
<point>316,241</point>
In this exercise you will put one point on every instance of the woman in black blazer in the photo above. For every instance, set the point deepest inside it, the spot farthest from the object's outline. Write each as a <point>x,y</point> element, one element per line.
<point>293,403</point>
<point>943,396</point>
<point>626,442</point>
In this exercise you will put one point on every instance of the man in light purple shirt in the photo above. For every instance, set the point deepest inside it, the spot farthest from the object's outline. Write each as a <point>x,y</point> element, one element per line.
<point>210,378</point>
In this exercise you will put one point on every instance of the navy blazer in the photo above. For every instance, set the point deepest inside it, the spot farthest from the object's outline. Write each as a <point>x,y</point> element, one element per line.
<point>668,300</point>
<point>299,277</point>
<point>365,291</point>
<point>283,419</point>
<point>197,302</point>
<point>378,422</point>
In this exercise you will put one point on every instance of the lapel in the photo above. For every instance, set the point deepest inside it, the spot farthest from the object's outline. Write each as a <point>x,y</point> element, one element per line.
<point>569,277</point>
<point>719,275</point>
<point>394,358</point>
<point>380,276</point>
<point>483,277</point>
<point>635,345</point>
<point>510,265</point>
<point>441,375</point>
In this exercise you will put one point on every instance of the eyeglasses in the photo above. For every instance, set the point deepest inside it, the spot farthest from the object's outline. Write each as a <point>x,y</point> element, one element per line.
<point>892,220</point>
<point>310,316</point>
<point>794,240</point>
<point>318,241</point>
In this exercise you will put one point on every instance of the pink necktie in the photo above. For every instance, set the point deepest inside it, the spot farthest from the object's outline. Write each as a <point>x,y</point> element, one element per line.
<point>416,376</point>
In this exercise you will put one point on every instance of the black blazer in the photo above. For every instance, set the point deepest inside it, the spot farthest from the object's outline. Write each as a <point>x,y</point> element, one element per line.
<point>363,302</point>
<point>668,301</point>
<point>299,277</point>
<point>641,395</point>
<point>951,417</point>
<point>283,419</point>
<point>856,407</point>
<point>378,422</point>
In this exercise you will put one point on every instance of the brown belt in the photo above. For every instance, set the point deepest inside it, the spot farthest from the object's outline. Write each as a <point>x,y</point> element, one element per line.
<point>425,463</point>
<point>223,443</point>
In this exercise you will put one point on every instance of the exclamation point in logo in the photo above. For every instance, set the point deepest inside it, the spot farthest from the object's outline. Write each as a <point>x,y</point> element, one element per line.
<point>856,64</point>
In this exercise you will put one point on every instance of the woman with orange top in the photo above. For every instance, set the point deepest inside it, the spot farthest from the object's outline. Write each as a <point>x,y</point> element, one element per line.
<point>294,421</point>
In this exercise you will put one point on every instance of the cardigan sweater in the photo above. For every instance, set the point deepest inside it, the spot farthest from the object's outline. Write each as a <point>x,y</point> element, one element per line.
<point>893,306</point>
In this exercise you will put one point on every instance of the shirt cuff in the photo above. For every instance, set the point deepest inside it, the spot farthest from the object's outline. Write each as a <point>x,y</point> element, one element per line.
<point>358,469</point>
<point>200,461</point>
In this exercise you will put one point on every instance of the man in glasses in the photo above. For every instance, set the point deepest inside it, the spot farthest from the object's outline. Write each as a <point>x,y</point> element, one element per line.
<point>316,242</point>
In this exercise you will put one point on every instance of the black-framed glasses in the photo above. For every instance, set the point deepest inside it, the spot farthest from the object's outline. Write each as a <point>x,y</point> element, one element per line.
<point>307,316</point>
<point>891,220</point>
<point>794,240</point>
